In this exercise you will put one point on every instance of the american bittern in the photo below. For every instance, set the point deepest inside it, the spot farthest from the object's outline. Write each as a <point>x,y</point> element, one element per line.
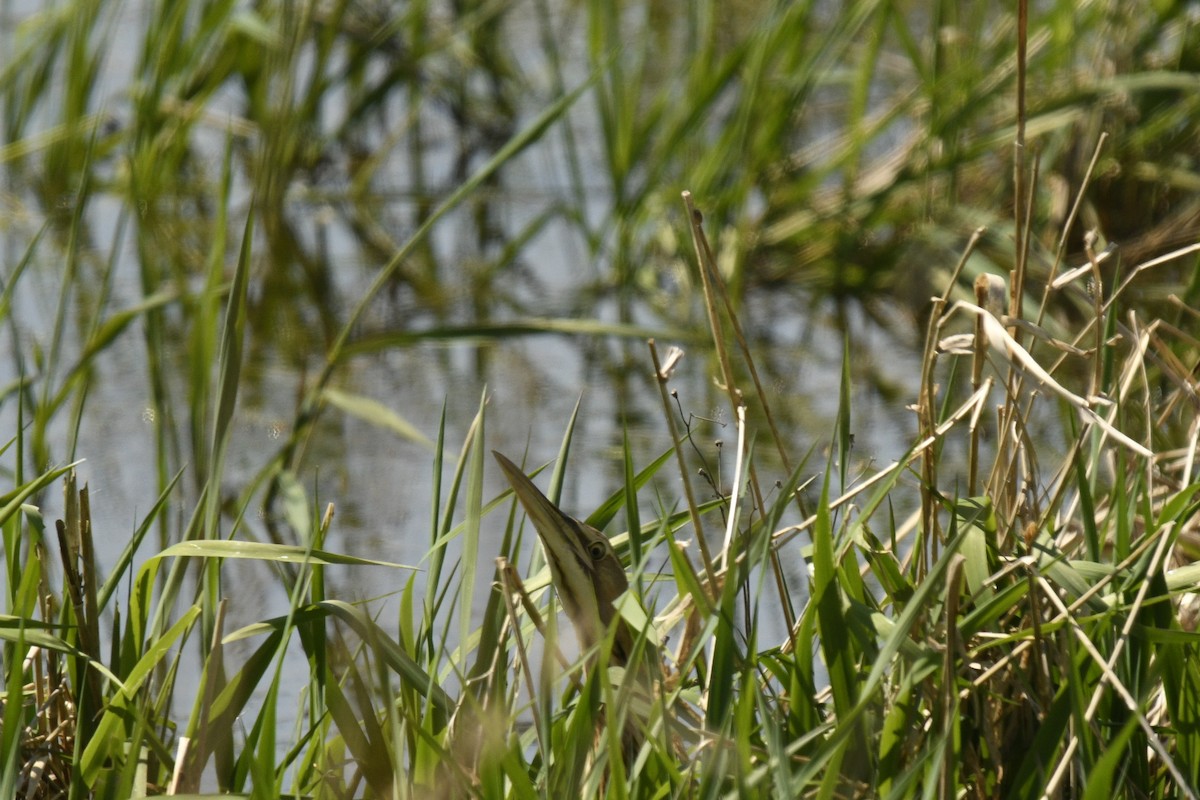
<point>586,572</point>
<point>588,576</point>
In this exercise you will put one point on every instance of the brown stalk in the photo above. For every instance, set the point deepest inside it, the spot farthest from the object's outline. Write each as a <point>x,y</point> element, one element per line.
<point>510,584</point>
<point>926,413</point>
<point>661,377</point>
<point>713,285</point>
<point>79,572</point>
<point>1017,285</point>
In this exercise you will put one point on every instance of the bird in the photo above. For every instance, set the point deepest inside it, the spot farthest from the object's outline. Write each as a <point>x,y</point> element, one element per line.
<point>589,578</point>
<point>586,572</point>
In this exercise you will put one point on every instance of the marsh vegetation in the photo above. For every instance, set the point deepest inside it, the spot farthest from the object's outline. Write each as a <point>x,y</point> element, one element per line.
<point>277,276</point>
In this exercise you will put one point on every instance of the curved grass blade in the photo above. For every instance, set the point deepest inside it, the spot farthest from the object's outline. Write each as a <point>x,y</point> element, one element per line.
<point>267,551</point>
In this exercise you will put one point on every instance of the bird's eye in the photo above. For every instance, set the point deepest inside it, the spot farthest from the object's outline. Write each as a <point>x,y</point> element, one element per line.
<point>597,551</point>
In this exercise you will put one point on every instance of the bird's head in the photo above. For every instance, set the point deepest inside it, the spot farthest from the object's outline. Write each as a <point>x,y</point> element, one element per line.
<point>586,572</point>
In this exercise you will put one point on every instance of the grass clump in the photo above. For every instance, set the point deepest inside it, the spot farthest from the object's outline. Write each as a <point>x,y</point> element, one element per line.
<point>998,613</point>
<point>1006,610</point>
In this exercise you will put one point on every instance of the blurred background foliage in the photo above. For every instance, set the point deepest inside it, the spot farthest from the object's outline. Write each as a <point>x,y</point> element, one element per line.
<point>839,153</point>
